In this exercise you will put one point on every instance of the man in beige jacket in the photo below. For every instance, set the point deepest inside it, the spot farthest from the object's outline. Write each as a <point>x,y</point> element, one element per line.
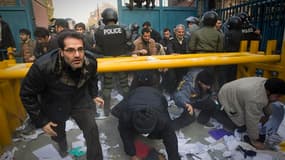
<point>245,103</point>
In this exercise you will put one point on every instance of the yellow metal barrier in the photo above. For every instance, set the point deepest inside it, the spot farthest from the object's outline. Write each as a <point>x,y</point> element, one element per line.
<point>152,62</point>
<point>268,69</point>
<point>12,111</point>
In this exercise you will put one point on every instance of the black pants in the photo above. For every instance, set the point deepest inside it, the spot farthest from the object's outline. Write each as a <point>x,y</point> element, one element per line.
<point>225,74</point>
<point>168,83</point>
<point>184,120</point>
<point>223,118</point>
<point>118,81</point>
<point>207,108</point>
<point>86,122</point>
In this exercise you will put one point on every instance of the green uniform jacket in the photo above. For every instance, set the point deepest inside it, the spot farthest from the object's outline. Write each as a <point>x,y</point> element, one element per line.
<point>206,39</point>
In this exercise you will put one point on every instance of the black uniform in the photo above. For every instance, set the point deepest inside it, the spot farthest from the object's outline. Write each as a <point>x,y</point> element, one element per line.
<point>112,41</point>
<point>248,31</point>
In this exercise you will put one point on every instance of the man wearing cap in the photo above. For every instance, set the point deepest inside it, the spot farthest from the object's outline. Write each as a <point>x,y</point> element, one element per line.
<point>194,91</point>
<point>144,112</point>
<point>245,103</point>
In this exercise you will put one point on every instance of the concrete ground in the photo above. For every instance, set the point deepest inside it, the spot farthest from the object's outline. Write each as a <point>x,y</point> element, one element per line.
<point>111,142</point>
<point>108,127</point>
<point>111,139</point>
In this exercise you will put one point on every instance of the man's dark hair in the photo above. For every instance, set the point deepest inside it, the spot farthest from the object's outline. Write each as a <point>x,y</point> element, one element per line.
<point>145,120</point>
<point>210,18</point>
<point>25,31</point>
<point>146,78</point>
<point>275,86</point>
<point>145,30</point>
<point>80,25</point>
<point>68,34</point>
<point>206,77</point>
<point>41,32</point>
<point>146,23</point>
<point>166,29</point>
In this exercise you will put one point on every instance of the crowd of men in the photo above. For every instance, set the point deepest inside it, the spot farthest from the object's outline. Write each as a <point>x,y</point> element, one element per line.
<point>63,81</point>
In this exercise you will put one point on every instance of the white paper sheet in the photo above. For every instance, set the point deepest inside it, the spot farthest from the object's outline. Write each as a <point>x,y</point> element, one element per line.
<point>48,152</point>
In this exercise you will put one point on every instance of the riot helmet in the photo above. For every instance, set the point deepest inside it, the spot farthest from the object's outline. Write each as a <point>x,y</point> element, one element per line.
<point>244,17</point>
<point>234,22</point>
<point>108,15</point>
<point>210,18</point>
<point>134,27</point>
<point>192,19</point>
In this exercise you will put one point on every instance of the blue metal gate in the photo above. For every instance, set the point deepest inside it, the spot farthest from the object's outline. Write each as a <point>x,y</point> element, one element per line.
<point>160,17</point>
<point>18,15</point>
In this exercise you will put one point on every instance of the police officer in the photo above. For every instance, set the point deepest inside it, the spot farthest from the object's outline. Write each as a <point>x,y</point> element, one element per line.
<point>207,39</point>
<point>113,40</point>
<point>233,36</point>
<point>134,31</point>
<point>249,31</point>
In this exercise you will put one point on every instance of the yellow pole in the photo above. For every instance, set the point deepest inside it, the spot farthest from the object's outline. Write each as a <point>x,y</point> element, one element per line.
<point>243,46</point>
<point>188,62</point>
<point>283,54</point>
<point>271,47</point>
<point>254,45</point>
<point>18,71</point>
<point>176,56</point>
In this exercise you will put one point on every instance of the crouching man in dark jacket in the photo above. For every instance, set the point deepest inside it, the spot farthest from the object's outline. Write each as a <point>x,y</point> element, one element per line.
<point>61,84</point>
<point>194,91</point>
<point>144,112</point>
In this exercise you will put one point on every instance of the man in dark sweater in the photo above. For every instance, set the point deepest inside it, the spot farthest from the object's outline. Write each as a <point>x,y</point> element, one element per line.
<point>144,112</point>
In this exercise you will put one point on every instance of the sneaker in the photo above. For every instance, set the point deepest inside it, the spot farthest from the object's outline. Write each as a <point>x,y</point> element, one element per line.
<point>209,125</point>
<point>97,114</point>
<point>101,117</point>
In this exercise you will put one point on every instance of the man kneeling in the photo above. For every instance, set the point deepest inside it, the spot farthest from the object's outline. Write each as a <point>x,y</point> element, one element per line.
<point>144,112</point>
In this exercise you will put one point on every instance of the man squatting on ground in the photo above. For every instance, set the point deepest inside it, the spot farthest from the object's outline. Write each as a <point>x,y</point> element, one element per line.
<point>63,84</point>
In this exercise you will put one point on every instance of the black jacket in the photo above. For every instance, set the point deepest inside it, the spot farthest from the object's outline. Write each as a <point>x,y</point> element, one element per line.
<point>151,97</point>
<point>155,35</point>
<point>175,47</point>
<point>51,90</point>
<point>7,36</point>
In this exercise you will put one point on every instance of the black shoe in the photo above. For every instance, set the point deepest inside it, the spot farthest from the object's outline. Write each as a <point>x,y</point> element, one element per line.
<point>63,148</point>
<point>209,125</point>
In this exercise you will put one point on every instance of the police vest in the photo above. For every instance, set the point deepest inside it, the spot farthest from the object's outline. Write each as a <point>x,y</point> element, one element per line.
<point>112,40</point>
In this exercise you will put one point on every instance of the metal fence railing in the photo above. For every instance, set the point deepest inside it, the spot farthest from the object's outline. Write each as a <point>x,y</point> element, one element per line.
<point>267,15</point>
